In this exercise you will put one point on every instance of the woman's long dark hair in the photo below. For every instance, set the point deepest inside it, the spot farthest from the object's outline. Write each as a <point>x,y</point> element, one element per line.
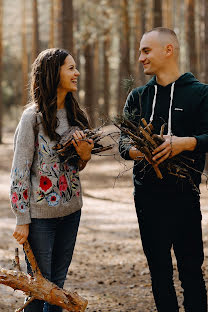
<point>45,77</point>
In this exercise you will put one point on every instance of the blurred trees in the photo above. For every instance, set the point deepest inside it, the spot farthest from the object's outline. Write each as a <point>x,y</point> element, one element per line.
<point>157,12</point>
<point>65,22</point>
<point>103,37</point>
<point>205,45</point>
<point>35,31</point>
<point>191,36</point>
<point>89,81</point>
<point>124,52</point>
<point>1,53</point>
<point>51,25</point>
<point>24,56</point>
<point>67,25</point>
<point>139,29</point>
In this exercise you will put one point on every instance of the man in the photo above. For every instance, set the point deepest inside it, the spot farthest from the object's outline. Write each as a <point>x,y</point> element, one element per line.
<point>168,210</point>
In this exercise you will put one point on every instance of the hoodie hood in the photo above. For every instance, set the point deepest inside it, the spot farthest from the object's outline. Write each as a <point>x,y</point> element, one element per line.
<point>185,79</point>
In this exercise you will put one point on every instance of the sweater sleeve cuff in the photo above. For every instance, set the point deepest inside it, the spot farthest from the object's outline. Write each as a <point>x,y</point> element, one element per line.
<point>23,219</point>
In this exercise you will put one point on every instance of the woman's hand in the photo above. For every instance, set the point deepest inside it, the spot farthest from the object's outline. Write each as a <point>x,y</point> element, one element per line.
<point>21,233</point>
<point>82,145</point>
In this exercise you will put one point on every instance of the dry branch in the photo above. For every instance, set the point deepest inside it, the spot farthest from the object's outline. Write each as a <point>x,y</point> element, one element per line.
<point>66,150</point>
<point>37,287</point>
<point>143,142</point>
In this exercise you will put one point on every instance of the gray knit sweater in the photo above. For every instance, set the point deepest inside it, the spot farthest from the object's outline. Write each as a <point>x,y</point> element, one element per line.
<point>41,185</point>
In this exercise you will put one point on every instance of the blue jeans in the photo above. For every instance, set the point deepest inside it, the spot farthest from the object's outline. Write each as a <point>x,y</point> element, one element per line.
<point>52,242</point>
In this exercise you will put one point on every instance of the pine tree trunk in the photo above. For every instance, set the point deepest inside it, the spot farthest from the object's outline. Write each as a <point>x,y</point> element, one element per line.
<point>139,31</point>
<point>96,87</point>
<point>206,59</point>
<point>167,14</point>
<point>157,11</point>
<point>124,66</point>
<point>58,23</point>
<point>89,81</point>
<point>191,35</point>
<point>206,39</point>
<point>51,39</point>
<point>35,29</point>
<point>1,55</point>
<point>24,55</point>
<point>106,74</point>
<point>201,34</point>
<point>76,48</point>
<point>67,28</point>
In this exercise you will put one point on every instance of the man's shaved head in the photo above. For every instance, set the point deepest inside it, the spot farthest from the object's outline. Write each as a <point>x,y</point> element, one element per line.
<point>166,36</point>
<point>159,51</point>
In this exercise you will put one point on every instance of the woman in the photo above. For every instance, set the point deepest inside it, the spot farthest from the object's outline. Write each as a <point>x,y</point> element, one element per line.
<point>45,191</point>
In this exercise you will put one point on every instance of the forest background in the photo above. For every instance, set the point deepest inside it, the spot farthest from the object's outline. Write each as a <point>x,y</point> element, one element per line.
<point>108,266</point>
<point>103,36</point>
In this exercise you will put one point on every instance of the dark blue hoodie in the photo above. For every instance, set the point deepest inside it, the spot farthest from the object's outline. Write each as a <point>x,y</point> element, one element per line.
<point>183,106</point>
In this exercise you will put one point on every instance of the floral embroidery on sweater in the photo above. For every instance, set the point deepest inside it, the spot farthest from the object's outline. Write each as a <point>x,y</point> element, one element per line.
<point>19,189</point>
<point>41,185</point>
<point>58,181</point>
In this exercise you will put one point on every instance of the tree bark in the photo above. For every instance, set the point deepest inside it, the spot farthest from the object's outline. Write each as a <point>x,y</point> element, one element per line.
<point>157,13</point>
<point>58,23</point>
<point>67,28</point>
<point>139,31</point>
<point>76,48</point>
<point>51,38</point>
<point>191,35</point>
<point>106,74</point>
<point>124,66</point>
<point>38,287</point>
<point>206,39</point>
<point>24,56</point>
<point>96,87</point>
<point>35,29</point>
<point>89,81</point>
<point>167,14</point>
<point>1,55</point>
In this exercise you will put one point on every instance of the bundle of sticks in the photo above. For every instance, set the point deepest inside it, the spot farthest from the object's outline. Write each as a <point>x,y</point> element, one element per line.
<point>146,141</point>
<point>66,150</point>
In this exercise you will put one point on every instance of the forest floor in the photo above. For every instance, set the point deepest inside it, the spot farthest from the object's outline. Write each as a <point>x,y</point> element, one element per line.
<point>108,266</point>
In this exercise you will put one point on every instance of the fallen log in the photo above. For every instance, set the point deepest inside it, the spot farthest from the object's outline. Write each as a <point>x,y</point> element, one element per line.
<point>37,287</point>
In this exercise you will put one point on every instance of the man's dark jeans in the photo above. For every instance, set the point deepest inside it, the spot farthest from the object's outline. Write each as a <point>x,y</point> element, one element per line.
<point>166,221</point>
<point>52,242</point>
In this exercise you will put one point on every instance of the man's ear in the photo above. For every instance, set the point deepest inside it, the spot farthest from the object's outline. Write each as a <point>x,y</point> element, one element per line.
<point>169,49</point>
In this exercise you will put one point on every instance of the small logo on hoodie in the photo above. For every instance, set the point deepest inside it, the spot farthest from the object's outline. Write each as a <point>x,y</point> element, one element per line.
<point>178,109</point>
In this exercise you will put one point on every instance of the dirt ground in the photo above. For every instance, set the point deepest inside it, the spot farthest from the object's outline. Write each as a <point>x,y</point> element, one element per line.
<point>108,266</point>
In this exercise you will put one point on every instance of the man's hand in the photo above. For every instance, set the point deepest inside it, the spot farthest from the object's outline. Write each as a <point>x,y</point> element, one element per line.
<point>21,233</point>
<point>173,146</point>
<point>82,145</point>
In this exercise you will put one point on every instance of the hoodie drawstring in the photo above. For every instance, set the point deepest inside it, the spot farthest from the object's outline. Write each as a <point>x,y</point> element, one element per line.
<point>153,104</point>
<point>170,108</point>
